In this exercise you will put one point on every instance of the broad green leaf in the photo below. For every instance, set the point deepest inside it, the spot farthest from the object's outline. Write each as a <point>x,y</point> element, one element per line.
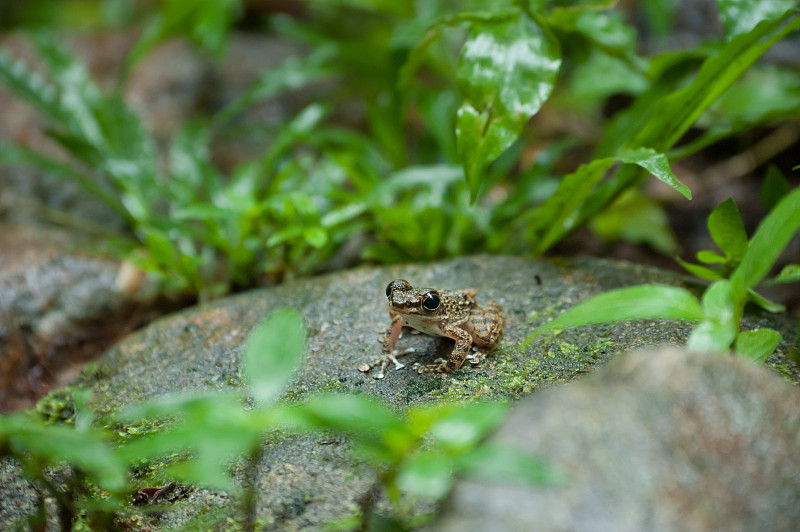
<point>757,345</point>
<point>727,229</point>
<point>625,304</point>
<point>506,72</point>
<point>768,242</point>
<point>428,474</point>
<point>508,464</point>
<point>273,351</point>
<point>741,16</point>
<point>658,166</point>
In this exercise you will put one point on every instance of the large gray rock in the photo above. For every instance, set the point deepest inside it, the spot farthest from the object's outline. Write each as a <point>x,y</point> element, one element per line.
<point>58,308</point>
<point>306,481</point>
<point>659,441</point>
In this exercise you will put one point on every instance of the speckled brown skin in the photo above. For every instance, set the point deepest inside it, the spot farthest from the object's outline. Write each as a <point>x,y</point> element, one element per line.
<point>454,314</point>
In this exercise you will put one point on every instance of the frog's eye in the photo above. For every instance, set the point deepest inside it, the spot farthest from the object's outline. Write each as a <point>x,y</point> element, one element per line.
<point>430,300</point>
<point>389,290</point>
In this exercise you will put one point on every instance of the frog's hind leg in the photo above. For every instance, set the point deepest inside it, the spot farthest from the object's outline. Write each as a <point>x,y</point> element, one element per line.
<point>487,325</point>
<point>457,356</point>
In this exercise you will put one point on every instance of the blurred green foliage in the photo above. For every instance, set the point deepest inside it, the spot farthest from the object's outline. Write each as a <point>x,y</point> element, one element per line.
<point>202,434</point>
<point>435,160</point>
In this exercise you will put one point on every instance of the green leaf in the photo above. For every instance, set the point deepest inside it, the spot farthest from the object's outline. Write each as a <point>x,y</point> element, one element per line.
<point>757,345</point>
<point>292,74</point>
<point>211,427</point>
<point>716,332</point>
<point>78,95</point>
<point>710,337</point>
<point>676,113</point>
<point>635,217</point>
<point>559,213</point>
<point>161,249</point>
<point>556,215</point>
<point>741,16</point>
<point>624,304</point>
<point>15,155</point>
<point>670,117</point>
<point>273,350</point>
<point>700,271</point>
<point>353,414</point>
<point>789,274</point>
<point>506,72</point>
<point>710,257</point>
<point>315,236</point>
<point>30,87</point>
<point>768,242</point>
<point>727,229</point>
<point>428,474</point>
<point>205,22</point>
<point>464,427</point>
<point>87,450</point>
<point>658,165</point>
<point>717,302</point>
<point>763,302</point>
<point>508,464</point>
<point>774,188</point>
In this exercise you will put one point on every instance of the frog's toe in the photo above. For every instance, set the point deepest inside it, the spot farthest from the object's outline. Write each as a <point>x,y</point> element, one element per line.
<point>440,367</point>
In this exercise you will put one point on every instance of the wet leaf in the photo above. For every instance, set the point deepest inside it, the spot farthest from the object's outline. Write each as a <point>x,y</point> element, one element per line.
<point>506,72</point>
<point>658,166</point>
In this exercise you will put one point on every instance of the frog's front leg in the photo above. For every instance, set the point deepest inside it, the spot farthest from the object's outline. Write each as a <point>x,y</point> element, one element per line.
<point>390,337</point>
<point>457,356</point>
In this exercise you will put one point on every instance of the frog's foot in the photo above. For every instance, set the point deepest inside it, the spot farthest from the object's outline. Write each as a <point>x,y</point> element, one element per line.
<point>476,358</point>
<point>441,366</point>
<point>384,362</point>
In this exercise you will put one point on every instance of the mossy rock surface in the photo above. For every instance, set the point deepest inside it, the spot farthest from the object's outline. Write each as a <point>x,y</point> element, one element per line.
<point>307,481</point>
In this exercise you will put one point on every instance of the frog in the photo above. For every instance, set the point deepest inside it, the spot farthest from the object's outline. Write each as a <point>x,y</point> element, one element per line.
<point>454,314</point>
